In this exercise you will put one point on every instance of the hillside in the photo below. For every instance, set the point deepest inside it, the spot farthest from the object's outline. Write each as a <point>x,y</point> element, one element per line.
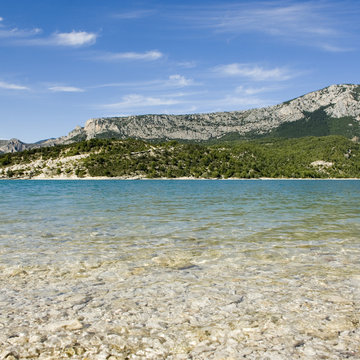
<point>310,157</point>
<point>334,110</point>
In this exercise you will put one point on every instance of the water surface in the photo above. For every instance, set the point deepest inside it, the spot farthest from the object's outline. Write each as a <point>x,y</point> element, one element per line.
<point>200,262</point>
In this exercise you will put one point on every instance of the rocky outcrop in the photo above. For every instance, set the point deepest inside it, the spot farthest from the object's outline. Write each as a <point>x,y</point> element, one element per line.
<point>335,102</point>
<point>13,145</point>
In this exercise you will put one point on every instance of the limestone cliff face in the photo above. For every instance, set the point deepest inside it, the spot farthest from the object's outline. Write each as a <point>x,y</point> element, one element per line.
<point>336,100</point>
<point>12,145</point>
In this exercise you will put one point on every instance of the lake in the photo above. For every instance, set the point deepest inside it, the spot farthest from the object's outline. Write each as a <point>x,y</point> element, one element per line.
<point>180,269</point>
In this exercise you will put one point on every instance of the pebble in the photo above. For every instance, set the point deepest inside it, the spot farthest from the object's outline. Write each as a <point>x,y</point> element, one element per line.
<point>231,307</point>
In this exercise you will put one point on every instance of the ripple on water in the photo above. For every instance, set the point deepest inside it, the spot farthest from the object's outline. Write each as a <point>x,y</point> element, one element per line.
<point>177,270</point>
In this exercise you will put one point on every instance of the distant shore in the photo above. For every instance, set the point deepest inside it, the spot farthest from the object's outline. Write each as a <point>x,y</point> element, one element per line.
<point>164,178</point>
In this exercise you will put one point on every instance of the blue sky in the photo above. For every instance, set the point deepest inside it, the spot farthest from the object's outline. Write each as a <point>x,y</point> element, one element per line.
<point>65,61</point>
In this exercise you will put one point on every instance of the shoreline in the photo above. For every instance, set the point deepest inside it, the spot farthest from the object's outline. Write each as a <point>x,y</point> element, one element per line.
<point>87,178</point>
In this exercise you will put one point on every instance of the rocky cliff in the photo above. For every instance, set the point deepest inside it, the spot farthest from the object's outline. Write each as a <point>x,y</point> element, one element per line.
<point>12,145</point>
<point>332,110</point>
<point>333,102</point>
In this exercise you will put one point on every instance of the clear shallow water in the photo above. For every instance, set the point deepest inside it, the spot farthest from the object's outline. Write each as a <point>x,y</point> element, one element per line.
<point>78,219</point>
<point>283,250</point>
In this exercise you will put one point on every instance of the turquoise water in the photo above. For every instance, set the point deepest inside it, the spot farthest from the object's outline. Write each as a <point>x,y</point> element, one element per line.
<point>80,219</point>
<point>180,269</point>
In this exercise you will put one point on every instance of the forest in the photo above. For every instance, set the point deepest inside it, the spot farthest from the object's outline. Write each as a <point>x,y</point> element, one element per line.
<point>306,157</point>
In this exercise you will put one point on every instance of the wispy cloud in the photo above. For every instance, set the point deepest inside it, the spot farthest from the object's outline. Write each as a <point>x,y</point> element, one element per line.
<point>240,102</point>
<point>70,39</point>
<point>307,23</point>
<point>74,38</point>
<point>254,72</point>
<point>18,33</point>
<point>130,84</point>
<point>147,56</point>
<point>32,37</point>
<point>180,103</point>
<point>173,81</point>
<point>136,14</point>
<point>187,109</point>
<point>252,90</point>
<point>65,89</point>
<point>9,86</point>
<point>187,64</point>
<point>277,19</point>
<point>179,81</point>
<point>135,101</point>
<point>335,49</point>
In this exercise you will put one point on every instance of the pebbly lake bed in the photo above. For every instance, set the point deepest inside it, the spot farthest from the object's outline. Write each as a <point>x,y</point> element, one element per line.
<point>168,269</point>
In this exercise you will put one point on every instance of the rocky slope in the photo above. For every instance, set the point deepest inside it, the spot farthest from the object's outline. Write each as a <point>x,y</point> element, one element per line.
<point>12,145</point>
<point>15,145</point>
<point>336,101</point>
<point>332,110</point>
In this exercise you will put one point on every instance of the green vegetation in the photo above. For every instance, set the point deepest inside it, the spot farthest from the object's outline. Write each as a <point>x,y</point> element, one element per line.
<point>272,158</point>
<point>318,123</point>
<point>356,93</point>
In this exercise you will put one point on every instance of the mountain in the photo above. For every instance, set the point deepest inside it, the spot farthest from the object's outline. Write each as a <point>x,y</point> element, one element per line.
<point>12,145</point>
<point>15,145</point>
<point>334,110</point>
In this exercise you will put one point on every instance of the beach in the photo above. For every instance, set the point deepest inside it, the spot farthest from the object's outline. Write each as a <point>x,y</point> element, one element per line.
<point>183,306</point>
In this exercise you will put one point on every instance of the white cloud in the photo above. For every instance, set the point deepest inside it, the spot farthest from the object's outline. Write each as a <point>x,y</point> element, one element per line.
<point>8,86</point>
<point>251,90</point>
<point>173,81</point>
<point>277,19</point>
<point>74,38</point>
<point>30,37</point>
<point>65,89</point>
<point>1,18</point>
<point>137,14</point>
<point>133,84</point>
<point>254,72</point>
<point>134,101</point>
<point>18,33</point>
<point>233,102</point>
<point>184,94</point>
<point>308,23</point>
<point>187,64</point>
<point>336,49</point>
<point>179,81</point>
<point>148,55</point>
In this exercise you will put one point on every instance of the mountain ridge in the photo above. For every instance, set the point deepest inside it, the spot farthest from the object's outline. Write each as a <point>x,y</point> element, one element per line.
<point>332,110</point>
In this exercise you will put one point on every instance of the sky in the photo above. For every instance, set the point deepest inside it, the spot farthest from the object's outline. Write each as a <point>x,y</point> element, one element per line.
<point>63,62</point>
